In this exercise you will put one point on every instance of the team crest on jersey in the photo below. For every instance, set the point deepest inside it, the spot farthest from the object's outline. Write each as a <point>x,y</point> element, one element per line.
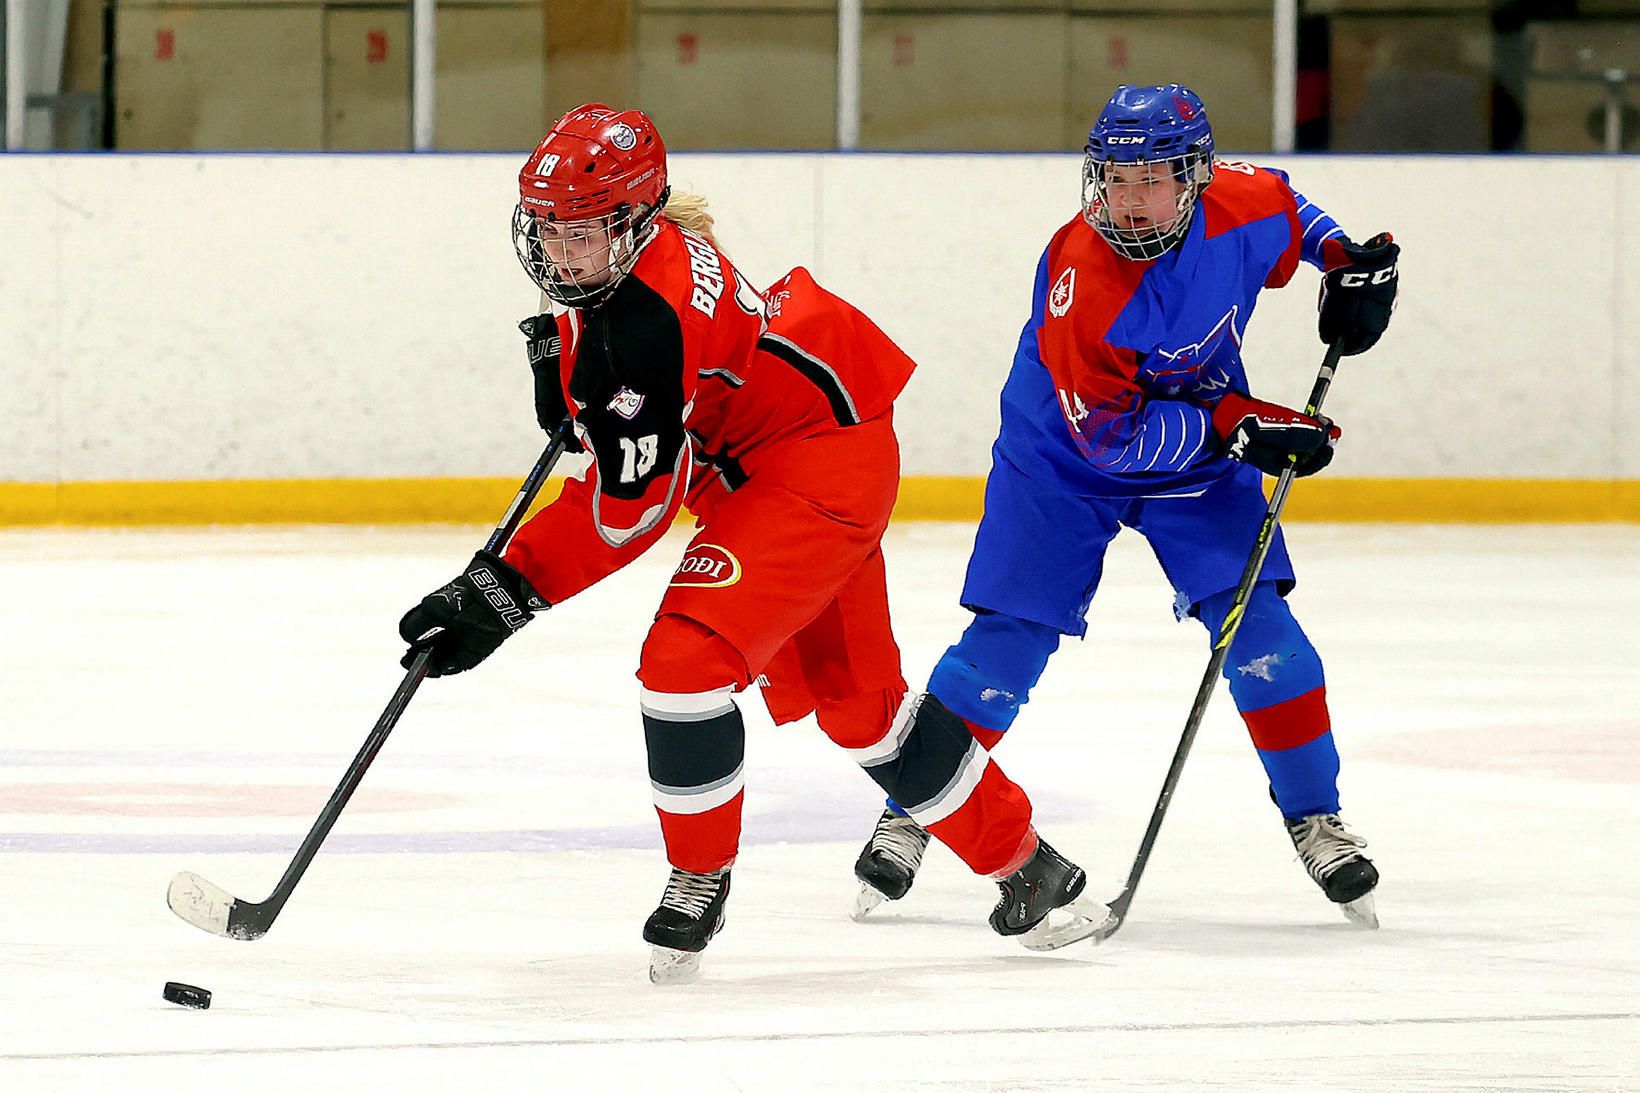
<point>707,565</point>
<point>627,403</point>
<point>1187,367</point>
<point>623,137</point>
<point>1059,298</point>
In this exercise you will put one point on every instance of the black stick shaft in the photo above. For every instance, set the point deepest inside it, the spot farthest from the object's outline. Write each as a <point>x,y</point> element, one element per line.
<point>1221,646</point>
<point>417,672</point>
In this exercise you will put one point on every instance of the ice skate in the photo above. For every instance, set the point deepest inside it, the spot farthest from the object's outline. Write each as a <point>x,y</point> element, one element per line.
<point>1333,857</point>
<point>888,863</point>
<point>1041,904</point>
<point>690,915</point>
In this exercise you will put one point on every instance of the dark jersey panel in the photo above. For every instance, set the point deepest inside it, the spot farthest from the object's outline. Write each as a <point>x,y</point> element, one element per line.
<point>629,376</point>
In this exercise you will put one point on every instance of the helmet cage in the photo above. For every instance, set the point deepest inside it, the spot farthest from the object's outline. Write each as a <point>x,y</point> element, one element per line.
<point>1193,170</point>
<point>559,259</point>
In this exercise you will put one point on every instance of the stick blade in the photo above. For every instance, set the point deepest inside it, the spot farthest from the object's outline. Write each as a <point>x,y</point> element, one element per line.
<point>1118,909</point>
<point>202,904</point>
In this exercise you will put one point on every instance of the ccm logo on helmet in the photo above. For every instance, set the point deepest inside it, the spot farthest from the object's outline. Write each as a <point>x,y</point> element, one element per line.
<point>707,565</point>
<point>1125,140</point>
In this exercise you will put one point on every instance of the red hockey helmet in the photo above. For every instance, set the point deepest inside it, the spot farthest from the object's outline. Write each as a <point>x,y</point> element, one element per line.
<point>587,201</point>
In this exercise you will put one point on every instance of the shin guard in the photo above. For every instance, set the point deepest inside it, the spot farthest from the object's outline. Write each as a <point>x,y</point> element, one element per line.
<point>930,763</point>
<point>696,741</point>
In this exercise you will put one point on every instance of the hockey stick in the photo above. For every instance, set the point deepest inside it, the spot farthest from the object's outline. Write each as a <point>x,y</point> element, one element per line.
<point>200,903</point>
<point>1215,664</point>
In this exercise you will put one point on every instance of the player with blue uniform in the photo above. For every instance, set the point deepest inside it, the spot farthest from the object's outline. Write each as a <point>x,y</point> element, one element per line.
<point>1128,405</point>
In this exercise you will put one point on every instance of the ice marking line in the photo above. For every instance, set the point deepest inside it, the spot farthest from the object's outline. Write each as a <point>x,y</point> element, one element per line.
<point>147,760</point>
<point>633,837</point>
<point>197,800</point>
<point>862,1034</point>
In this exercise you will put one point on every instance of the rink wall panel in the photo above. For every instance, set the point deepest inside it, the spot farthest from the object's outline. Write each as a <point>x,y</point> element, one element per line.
<point>270,337</point>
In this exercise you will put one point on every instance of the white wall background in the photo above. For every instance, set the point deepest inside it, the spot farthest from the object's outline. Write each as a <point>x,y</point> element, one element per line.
<point>218,317</point>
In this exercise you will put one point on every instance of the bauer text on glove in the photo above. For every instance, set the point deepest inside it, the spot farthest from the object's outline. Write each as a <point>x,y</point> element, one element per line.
<point>469,618</point>
<point>543,345</point>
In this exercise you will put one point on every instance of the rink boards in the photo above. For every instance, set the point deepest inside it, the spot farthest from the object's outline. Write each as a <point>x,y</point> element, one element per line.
<point>331,338</point>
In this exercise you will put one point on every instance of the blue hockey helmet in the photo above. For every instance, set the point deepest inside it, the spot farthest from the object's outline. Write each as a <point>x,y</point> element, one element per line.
<point>1163,127</point>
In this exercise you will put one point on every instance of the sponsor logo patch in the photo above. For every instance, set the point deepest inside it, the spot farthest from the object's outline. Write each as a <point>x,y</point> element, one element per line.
<point>623,137</point>
<point>627,403</point>
<point>707,565</point>
<point>1059,297</point>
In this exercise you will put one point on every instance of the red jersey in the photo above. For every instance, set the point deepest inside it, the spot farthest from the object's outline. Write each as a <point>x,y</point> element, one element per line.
<point>679,384</point>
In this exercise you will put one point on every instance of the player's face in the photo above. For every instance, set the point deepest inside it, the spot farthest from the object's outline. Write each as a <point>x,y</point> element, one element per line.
<point>578,249</point>
<point>1141,195</point>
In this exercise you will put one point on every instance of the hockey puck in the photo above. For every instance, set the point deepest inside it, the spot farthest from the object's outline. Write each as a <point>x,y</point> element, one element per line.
<point>182,994</point>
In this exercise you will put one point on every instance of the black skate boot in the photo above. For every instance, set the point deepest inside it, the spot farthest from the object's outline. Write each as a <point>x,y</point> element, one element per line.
<point>690,915</point>
<point>1333,857</point>
<point>1046,883</point>
<point>888,863</point>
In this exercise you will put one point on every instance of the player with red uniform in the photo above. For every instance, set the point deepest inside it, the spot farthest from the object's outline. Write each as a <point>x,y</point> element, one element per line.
<point>769,417</point>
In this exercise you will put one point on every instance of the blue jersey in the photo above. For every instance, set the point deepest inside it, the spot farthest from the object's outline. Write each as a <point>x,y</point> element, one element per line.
<point>1117,371</point>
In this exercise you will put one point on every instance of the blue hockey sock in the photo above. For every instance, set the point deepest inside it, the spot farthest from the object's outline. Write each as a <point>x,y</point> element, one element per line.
<point>1277,683</point>
<point>988,675</point>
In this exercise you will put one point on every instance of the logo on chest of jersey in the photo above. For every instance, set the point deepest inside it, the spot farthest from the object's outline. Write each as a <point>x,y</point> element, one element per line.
<point>1187,366</point>
<point>707,565</point>
<point>706,270</point>
<point>626,402</point>
<point>1059,298</point>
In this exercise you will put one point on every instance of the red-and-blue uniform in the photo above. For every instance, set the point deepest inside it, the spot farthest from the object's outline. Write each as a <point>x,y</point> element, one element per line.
<point>1106,423</point>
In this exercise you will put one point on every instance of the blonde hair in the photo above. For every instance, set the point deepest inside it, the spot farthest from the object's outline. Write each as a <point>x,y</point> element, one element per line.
<point>688,211</point>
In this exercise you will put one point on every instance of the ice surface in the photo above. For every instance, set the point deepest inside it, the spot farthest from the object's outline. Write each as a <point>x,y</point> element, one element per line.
<point>175,700</point>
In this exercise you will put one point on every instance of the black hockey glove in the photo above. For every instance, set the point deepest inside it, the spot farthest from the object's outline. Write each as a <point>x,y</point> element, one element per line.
<point>469,618</point>
<point>1266,435</point>
<point>542,343</point>
<point>1358,291</point>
